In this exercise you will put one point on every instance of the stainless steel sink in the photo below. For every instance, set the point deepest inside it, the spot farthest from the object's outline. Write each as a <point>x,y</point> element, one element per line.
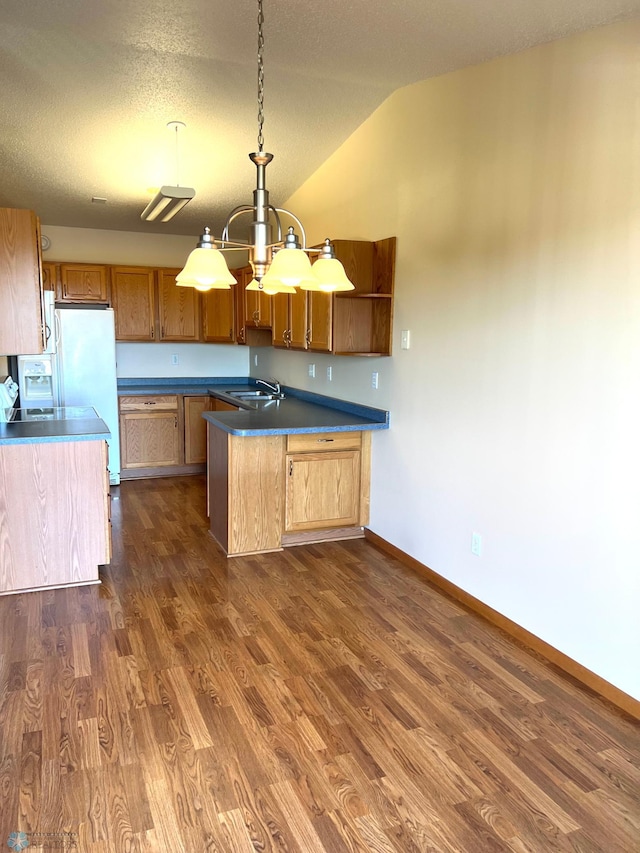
<point>254,395</point>
<point>251,394</point>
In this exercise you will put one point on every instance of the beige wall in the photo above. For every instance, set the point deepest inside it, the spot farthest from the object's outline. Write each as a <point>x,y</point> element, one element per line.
<point>514,190</point>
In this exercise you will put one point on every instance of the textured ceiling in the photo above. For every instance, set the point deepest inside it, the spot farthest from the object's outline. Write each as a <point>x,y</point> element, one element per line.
<point>88,87</point>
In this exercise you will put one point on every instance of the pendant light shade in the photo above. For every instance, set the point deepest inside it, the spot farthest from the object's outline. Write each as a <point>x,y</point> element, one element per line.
<point>328,275</point>
<point>206,267</point>
<point>289,266</point>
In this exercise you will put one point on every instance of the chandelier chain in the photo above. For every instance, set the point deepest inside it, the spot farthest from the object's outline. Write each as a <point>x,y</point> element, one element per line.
<point>260,76</point>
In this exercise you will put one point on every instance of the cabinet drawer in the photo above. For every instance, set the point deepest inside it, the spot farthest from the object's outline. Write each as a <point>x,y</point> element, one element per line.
<point>319,441</point>
<point>168,403</point>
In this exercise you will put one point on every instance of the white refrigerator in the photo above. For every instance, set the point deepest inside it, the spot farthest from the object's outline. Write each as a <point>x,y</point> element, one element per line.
<point>80,370</point>
<point>86,369</point>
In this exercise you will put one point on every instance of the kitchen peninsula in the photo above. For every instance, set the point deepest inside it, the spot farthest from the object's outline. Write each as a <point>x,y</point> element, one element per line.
<point>284,471</point>
<point>54,500</point>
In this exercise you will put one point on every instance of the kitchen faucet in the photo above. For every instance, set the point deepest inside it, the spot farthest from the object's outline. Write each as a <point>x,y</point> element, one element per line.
<point>273,385</point>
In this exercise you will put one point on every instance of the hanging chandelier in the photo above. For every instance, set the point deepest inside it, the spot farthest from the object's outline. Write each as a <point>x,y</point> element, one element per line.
<point>280,261</point>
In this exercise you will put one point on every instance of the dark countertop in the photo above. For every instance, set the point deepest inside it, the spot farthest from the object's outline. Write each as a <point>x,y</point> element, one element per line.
<point>188,386</point>
<point>299,412</point>
<point>67,425</point>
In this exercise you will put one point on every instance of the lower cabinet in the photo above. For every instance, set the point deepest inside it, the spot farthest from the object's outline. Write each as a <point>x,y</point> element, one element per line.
<point>164,435</point>
<point>62,488</point>
<point>149,432</point>
<point>322,490</point>
<point>265,492</point>
<point>195,429</point>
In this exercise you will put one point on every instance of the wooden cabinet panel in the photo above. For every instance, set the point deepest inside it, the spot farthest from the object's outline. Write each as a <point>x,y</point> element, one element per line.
<point>133,292</point>
<point>363,318</point>
<point>221,406</point>
<point>253,312</point>
<point>289,320</point>
<point>245,491</point>
<point>179,309</point>
<point>218,315</point>
<point>82,283</point>
<point>149,439</point>
<point>195,429</point>
<point>280,320</point>
<point>298,320</point>
<point>319,321</point>
<point>317,441</point>
<point>323,490</point>
<point>21,309</point>
<point>257,309</point>
<point>157,402</point>
<point>49,276</point>
<point>62,488</point>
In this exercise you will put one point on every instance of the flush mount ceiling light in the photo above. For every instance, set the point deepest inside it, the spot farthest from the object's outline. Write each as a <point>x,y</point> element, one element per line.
<point>169,200</point>
<point>279,265</point>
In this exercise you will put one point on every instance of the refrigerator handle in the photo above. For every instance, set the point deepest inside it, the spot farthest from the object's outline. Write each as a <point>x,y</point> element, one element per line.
<point>56,320</point>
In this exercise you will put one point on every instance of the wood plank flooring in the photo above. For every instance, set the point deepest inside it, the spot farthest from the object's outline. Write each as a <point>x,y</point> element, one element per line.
<point>322,699</point>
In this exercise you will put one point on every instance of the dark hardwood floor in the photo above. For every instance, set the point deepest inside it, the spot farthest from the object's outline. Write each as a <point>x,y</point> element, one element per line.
<point>322,699</point>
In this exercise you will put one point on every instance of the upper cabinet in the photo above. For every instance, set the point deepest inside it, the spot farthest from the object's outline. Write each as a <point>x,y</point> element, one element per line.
<point>82,283</point>
<point>253,311</point>
<point>218,316</point>
<point>49,275</point>
<point>289,320</point>
<point>149,306</point>
<point>178,308</point>
<point>357,322</point>
<point>363,318</point>
<point>133,292</point>
<point>21,309</point>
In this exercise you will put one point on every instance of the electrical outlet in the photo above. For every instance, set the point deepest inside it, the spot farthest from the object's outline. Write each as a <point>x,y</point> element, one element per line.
<point>329,373</point>
<point>312,371</point>
<point>175,358</point>
<point>405,339</point>
<point>476,544</point>
<point>374,379</point>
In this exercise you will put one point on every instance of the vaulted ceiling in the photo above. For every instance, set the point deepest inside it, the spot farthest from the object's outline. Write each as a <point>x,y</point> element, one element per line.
<point>88,87</point>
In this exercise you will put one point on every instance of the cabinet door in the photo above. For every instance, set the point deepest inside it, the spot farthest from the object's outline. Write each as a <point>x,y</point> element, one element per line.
<point>49,276</point>
<point>320,317</point>
<point>323,490</point>
<point>83,283</point>
<point>298,320</point>
<point>195,429</point>
<point>218,316</point>
<point>133,292</point>
<point>257,307</point>
<point>149,439</point>
<point>179,309</point>
<point>21,310</point>
<point>280,320</point>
